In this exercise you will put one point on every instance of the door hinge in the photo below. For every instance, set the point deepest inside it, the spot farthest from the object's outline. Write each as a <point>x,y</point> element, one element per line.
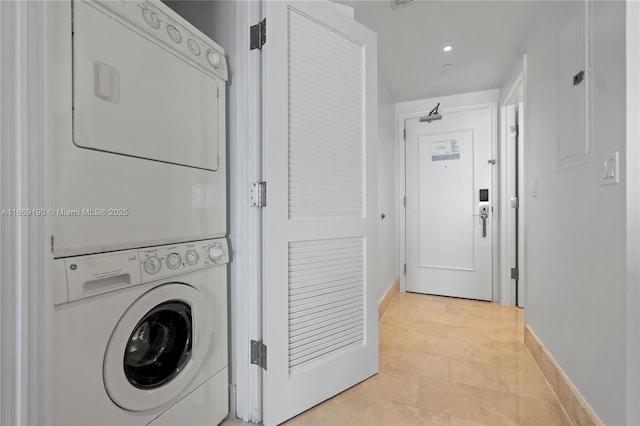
<point>514,202</point>
<point>515,273</point>
<point>258,194</point>
<point>52,244</point>
<point>404,134</point>
<point>259,354</point>
<point>404,201</point>
<point>515,131</point>
<point>258,35</point>
<point>405,269</point>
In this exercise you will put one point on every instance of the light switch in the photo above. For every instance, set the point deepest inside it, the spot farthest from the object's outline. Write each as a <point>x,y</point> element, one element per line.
<point>610,168</point>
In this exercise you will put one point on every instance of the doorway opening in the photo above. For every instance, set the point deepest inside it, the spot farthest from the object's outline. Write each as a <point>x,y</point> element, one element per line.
<point>512,197</point>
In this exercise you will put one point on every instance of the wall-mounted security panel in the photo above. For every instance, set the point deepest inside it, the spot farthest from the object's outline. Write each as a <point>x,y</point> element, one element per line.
<point>140,128</point>
<point>573,85</point>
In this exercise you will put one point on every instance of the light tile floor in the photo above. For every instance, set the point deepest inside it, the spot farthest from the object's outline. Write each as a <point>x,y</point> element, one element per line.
<point>446,361</point>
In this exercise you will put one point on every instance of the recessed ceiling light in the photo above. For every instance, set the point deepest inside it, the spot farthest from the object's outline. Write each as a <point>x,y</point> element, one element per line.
<point>447,48</point>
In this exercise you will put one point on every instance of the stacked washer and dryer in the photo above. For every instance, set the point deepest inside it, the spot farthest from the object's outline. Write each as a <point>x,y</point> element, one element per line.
<point>140,254</point>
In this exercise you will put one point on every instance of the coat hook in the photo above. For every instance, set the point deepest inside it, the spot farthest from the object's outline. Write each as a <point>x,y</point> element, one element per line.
<point>382,216</point>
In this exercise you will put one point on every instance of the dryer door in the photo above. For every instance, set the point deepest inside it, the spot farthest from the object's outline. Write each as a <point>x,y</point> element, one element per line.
<point>144,86</point>
<point>157,347</point>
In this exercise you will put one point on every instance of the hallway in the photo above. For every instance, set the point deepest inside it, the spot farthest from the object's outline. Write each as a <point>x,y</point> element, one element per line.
<point>446,361</point>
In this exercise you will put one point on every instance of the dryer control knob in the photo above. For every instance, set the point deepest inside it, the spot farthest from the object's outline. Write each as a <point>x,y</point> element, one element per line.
<point>193,46</point>
<point>151,18</point>
<point>174,260</point>
<point>152,265</point>
<point>215,253</point>
<point>192,257</point>
<point>214,59</point>
<point>174,34</point>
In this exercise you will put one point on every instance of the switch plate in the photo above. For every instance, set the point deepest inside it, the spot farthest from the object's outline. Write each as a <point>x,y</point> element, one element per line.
<point>610,168</point>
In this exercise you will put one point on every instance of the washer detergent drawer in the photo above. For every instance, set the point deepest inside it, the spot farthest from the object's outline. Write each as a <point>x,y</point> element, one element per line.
<point>140,90</point>
<point>92,275</point>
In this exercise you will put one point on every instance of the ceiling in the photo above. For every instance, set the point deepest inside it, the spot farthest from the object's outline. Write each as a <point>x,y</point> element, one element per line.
<point>487,37</point>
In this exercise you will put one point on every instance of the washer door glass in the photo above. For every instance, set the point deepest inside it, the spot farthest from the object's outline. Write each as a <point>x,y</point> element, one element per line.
<point>159,346</point>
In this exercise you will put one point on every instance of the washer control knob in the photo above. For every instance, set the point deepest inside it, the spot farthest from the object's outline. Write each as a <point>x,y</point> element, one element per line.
<point>152,265</point>
<point>174,260</point>
<point>151,17</point>
<point>216,252</point>
<point>214,59</point>
<point>192,257</point>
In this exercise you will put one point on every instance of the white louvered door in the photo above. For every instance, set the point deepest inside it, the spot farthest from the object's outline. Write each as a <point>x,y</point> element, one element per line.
<point>319,227</point>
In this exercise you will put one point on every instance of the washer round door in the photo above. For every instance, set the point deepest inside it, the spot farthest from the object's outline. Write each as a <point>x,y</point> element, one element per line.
<point>157,347</point>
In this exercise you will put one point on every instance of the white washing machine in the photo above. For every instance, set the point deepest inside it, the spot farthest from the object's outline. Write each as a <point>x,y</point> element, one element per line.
<point>140,336</point>
<point>139,152</point>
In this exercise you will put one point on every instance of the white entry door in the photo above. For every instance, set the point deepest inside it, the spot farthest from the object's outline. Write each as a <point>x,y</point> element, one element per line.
<point>319,228</point>
<point>448,189</point>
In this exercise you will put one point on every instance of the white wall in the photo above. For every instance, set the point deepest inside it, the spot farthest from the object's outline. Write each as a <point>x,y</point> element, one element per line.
<point>453,101</point>
<point>387,236</point>
<point>576,238</point>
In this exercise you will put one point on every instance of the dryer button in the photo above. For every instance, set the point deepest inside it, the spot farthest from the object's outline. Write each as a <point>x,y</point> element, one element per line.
<point>152,265</point>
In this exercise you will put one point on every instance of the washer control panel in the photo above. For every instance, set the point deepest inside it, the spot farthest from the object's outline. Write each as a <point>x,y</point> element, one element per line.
<point>164,261</point>
<point>84,276</point>
<point>165,27</point>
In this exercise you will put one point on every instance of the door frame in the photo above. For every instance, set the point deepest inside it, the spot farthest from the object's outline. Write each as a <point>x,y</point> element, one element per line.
<point>26,293</point>
<point>507,292</point>
<point>245,167</point>
<point>416,109</point>
<point>633,211</point>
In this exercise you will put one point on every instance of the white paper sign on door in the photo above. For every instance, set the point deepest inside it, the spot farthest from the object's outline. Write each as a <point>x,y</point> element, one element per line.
<point>445,150</point>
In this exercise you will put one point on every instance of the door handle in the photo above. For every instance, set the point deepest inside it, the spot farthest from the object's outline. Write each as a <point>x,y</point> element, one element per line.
<point>484,215</point>
<point>484,225</point>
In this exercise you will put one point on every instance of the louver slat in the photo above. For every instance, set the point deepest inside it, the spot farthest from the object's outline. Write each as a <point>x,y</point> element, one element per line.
<point>326,298</point>
<point>326,151</point>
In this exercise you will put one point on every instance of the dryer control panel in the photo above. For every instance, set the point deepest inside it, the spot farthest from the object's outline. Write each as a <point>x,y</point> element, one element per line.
<point>85,276</point>
<point>161,25</point>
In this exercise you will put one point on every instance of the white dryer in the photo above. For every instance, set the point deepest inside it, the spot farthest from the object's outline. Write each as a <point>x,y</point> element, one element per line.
<point>139,153</point>
<point>140,337</point>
